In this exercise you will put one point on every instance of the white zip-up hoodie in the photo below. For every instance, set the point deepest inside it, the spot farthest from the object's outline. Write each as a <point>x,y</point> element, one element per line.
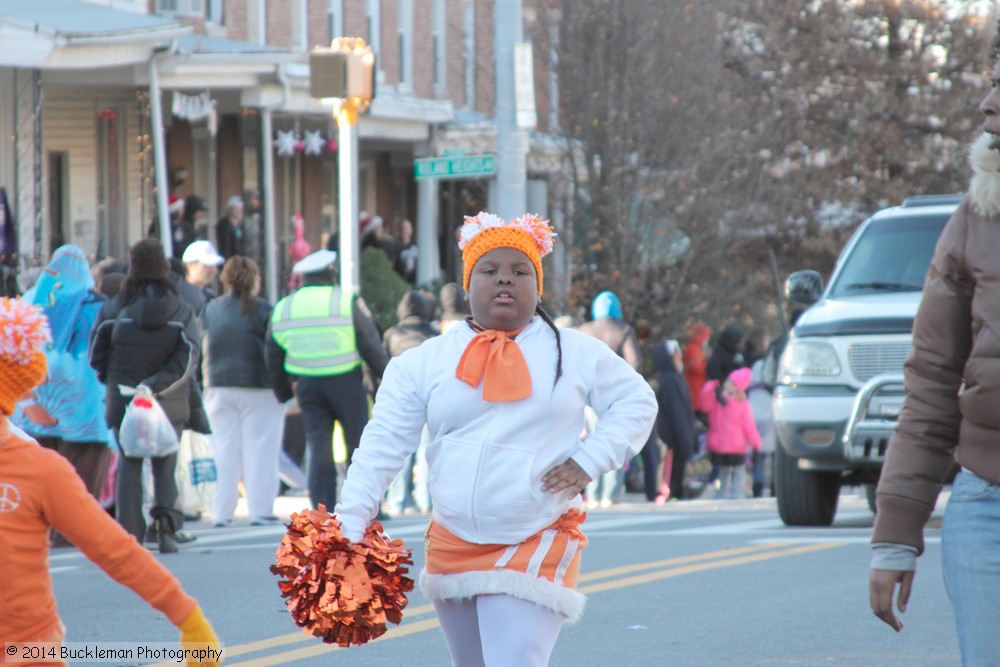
<point>486,460</point>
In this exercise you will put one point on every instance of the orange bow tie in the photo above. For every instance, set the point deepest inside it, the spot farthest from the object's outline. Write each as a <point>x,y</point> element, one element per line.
<point>495,360</point>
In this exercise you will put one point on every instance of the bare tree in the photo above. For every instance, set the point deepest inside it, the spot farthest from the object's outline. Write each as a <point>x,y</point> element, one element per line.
<point>705,135</point>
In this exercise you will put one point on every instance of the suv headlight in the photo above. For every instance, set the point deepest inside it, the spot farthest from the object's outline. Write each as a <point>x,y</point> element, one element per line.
<point>807,358</point>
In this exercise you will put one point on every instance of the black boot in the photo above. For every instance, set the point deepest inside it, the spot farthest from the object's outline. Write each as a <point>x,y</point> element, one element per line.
<point>167,521</point>
<point>165,536</point>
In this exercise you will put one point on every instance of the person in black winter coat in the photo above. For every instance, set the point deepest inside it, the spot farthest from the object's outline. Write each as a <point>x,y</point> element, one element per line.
<point>409,490</point>
<point>727,355</point>
<point>675,420</point>
<point>147,335</point>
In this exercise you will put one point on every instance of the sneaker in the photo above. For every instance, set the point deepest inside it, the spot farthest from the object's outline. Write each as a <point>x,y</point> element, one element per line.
<point>222,524</point>
<point>264,520</point>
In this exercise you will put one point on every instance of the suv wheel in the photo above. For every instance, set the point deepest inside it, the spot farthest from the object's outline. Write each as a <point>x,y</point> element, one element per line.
<point>804,498</point>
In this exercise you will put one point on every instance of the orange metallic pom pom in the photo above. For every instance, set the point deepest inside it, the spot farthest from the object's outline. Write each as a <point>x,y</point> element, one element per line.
<point>341,591</point>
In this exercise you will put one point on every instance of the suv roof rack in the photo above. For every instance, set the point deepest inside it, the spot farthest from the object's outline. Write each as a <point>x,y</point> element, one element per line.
<point>931,200</point>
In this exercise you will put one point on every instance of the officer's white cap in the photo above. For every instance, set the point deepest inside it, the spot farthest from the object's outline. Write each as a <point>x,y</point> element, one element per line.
<point>318,261</point>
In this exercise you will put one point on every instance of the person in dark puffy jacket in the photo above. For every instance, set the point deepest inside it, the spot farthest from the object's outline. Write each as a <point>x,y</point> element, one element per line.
<point>247,419</point>
<point>147,335</point>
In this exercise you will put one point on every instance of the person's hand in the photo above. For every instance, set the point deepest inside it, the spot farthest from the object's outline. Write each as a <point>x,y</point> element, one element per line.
<point>568,475</point>
<point>195,629</point>
<point>881,586</point>
<point>37,413</point>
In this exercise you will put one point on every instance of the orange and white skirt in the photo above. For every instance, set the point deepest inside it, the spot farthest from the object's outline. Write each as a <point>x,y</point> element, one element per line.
<point>542,569</point>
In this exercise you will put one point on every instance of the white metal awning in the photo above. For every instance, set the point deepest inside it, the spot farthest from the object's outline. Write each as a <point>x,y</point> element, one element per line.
<point>72,34</point>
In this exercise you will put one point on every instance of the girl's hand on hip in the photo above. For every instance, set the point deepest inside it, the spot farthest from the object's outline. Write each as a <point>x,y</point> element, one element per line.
<point>568,475</point>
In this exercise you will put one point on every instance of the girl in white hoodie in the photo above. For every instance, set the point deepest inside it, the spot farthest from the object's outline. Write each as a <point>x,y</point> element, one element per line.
<point>503,396</point>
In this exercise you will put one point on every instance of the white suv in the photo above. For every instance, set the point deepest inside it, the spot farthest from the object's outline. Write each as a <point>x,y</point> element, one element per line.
<point>840,380</point>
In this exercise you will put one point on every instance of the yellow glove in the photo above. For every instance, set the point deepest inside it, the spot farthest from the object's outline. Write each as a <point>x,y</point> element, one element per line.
<point>195,629</point>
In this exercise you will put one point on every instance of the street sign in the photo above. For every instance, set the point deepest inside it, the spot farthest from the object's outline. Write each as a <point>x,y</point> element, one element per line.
<point>459,166</point>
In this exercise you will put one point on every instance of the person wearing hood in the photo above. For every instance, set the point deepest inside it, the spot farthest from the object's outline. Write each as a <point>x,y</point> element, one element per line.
<point>607,325</point>
<point>950,414</point>
<point>727,355</point>
<point>66,412</point>
<point>695,360</point>
<point>147,335</point>
<point>731,430</point>
<point>675,419</point>
<point>409,490</point>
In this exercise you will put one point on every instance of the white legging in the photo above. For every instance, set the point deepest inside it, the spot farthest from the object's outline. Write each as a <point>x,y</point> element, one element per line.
<point>498,631</point>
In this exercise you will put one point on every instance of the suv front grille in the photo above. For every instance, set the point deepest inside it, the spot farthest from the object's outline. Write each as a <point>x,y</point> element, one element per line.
<point>869,359</point>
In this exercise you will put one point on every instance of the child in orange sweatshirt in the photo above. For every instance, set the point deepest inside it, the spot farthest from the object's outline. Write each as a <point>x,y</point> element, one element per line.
<point>40,489</point>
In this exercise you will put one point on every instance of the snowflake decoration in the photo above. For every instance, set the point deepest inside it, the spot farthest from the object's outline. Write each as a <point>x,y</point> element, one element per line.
<point>314,142</point>
<point>285,143</point>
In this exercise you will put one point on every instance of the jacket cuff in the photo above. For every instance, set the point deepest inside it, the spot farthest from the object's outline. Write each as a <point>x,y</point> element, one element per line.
<point>900,520</point>
<point>588,464</point>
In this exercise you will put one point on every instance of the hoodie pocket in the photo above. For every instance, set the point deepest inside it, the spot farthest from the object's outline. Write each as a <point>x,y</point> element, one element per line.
<point>453,476</point>
<point>506,487</point>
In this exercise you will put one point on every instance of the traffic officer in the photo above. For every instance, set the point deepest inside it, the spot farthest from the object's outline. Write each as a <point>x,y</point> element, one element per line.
<point>317,339</point>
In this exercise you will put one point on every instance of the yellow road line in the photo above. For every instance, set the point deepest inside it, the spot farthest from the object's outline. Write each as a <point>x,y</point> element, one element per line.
<point>675,567</point>
<point>701,567</point>
<point>296,637</point>
<point>721,553</point>
<point>321,649</point>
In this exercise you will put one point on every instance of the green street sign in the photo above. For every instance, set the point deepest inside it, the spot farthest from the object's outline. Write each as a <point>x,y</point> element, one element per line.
<point>457,166</point>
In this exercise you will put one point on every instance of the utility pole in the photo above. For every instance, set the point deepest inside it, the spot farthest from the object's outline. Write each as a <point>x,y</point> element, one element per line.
<point>344,76</point>
<point>512,141</point>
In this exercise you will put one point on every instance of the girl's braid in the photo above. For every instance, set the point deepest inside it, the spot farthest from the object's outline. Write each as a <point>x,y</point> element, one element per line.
<point>552,325</point>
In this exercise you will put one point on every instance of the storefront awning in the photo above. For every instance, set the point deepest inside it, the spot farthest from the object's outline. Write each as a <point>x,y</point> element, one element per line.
<point>72,34</point>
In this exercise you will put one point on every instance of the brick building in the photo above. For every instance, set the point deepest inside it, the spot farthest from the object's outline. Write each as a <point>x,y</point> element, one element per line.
<point>80,82</point>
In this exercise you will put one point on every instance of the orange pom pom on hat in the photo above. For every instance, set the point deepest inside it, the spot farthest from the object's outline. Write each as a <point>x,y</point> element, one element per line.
<point>24,331</point>
<point>531,234</point>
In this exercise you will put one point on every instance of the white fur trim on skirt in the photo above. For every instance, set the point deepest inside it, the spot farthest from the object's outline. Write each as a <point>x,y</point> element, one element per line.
<point>541,591</point>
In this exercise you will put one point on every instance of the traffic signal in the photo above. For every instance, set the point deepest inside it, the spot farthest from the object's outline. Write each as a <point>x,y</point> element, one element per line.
<point>346,70</point>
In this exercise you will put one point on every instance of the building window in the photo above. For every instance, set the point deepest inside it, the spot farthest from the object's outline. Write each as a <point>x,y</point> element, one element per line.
<point>181,7</point>
<point>213,11</point>
<point>335,15</point>
<point>435,58</point>
<point>300,26</point>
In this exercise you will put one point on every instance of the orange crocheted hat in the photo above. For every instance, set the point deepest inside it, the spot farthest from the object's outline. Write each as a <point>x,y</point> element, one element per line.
<point>24,331</point>
<point>531,234</point>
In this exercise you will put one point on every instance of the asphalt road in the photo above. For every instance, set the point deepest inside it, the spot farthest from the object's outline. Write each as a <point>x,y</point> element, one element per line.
<point>688,584</point>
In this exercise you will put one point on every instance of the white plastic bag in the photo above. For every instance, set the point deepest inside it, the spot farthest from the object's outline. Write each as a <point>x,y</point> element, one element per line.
<point>146,429</point>
<point>196,474</point>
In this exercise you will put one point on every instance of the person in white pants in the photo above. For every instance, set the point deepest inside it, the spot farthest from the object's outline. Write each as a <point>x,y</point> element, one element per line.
<point>247,419</point>
<point>247,429</point>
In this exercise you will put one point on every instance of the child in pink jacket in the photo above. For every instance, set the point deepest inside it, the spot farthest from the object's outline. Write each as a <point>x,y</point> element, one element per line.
<point>731,430</point>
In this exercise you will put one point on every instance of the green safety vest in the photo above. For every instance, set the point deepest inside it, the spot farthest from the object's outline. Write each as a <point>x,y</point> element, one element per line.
<point>315,327</point>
